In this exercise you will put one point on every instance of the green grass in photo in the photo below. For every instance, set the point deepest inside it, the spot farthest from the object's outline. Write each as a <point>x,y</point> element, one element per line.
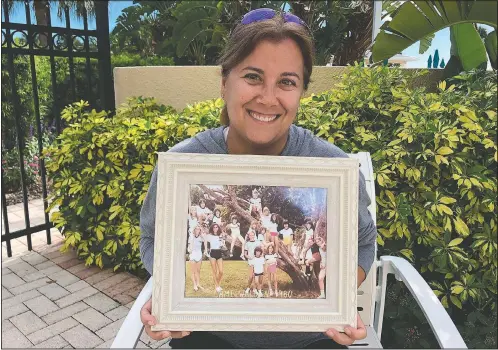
<point>234,283</point>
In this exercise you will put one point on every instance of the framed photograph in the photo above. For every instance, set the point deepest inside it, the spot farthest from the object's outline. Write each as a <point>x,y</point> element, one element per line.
<point>255,243</point>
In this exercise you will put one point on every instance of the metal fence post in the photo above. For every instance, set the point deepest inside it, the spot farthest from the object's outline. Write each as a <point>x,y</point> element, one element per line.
<point>104,48</point>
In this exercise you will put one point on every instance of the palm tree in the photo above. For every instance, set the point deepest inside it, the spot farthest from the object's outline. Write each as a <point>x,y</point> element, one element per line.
<point>342,29</point>
<point>42,11</point>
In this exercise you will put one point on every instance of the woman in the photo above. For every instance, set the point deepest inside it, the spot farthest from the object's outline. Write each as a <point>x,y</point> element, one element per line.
<point>266,68</point>
<point>214,254</point>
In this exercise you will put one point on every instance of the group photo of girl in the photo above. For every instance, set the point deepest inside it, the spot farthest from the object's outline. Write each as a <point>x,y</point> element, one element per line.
<point>256,241</point>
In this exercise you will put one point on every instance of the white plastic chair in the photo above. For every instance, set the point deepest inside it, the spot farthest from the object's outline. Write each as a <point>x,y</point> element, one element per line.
<point>371,297</point>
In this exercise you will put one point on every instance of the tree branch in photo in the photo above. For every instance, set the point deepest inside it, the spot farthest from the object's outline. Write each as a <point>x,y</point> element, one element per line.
<point>287,262</point>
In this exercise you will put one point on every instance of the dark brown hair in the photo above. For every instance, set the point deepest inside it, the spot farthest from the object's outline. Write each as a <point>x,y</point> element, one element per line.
<point>211,229</point>
<point>245,37</point>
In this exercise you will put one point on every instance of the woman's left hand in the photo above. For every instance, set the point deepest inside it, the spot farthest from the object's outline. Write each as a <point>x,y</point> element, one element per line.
<point>350,334</point>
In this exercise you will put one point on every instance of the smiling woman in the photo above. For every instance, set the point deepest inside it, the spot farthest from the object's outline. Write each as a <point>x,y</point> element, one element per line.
<point>262,96</point>
<point>266,68</point>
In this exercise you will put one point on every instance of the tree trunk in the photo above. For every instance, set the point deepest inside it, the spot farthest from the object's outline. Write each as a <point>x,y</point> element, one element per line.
<point>42,9</point>
<point>289,265</point>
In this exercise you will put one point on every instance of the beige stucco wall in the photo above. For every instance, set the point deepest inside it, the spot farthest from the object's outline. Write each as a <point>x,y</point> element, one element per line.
<point>178,86</point>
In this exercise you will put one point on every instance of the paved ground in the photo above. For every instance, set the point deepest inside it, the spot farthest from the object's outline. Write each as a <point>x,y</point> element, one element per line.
<point>52,300</point>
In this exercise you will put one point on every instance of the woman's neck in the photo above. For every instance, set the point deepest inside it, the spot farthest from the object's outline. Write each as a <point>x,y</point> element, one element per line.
<point>237,145</point>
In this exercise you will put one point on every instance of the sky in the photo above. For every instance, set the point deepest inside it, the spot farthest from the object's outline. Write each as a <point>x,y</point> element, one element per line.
<point>441,40</point>
<point>115,8</point>
<point>442,43</point>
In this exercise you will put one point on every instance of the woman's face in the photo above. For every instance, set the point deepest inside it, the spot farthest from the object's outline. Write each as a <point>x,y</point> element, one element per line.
<point>215,229</point>
<point>197,231</point>
<point>308,225</point>
<point>266,211</point>
<point>202,205</point>
<point>262,94</point>
<point>234,221</point>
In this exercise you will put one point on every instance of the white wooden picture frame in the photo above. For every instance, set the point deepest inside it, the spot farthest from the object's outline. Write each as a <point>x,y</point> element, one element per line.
<point>174,311</point>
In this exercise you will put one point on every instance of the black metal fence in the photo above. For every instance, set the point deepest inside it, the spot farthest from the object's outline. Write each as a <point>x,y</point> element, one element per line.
<point>26,40</point>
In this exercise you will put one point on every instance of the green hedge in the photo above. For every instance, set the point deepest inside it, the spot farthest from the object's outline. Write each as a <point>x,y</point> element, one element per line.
<point>133,60</point>
<point>434,157</point>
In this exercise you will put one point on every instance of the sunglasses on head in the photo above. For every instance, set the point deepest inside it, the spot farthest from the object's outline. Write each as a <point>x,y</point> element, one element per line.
<point>264,14</point>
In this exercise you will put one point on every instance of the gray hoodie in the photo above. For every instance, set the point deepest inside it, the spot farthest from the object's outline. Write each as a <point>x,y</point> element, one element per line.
<point>300,143</point>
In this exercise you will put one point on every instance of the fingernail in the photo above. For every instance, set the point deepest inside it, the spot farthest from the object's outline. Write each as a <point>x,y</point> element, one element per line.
<point>151,323</point>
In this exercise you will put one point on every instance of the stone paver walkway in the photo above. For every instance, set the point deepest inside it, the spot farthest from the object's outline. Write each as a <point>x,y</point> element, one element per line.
<point>52,300</point>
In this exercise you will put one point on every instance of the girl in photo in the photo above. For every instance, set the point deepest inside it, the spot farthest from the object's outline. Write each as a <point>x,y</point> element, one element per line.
<point>214,241</point>
<point>262,236</point>
<point>195,245</point>
<point>287,235</point>
<point>249,249</point>
<point>217,217</point>
<point>258,268</point>
<point>322,246</point>
<point>312,259</point>
<point>203,210</point>
<point>271,268</point>
<point>308,234</point>
<point>234,227</point>
<point>312,255</point>
<point>266,217</point>
<point>192,220</point>
<point>273,228</point>
<point>253,227</point>
<point>255,204</point>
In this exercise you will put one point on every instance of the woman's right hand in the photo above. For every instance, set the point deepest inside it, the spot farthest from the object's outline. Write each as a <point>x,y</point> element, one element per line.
<point>148,320</point>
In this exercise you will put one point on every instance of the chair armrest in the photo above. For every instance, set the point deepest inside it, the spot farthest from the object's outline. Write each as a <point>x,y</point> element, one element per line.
<point>443,327</point>
<point>132,327</point>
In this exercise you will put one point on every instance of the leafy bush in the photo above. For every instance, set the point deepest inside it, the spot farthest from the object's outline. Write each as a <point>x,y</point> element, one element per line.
<point>132,60</point>
<point>434,157</point>
<point>101,169</point>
